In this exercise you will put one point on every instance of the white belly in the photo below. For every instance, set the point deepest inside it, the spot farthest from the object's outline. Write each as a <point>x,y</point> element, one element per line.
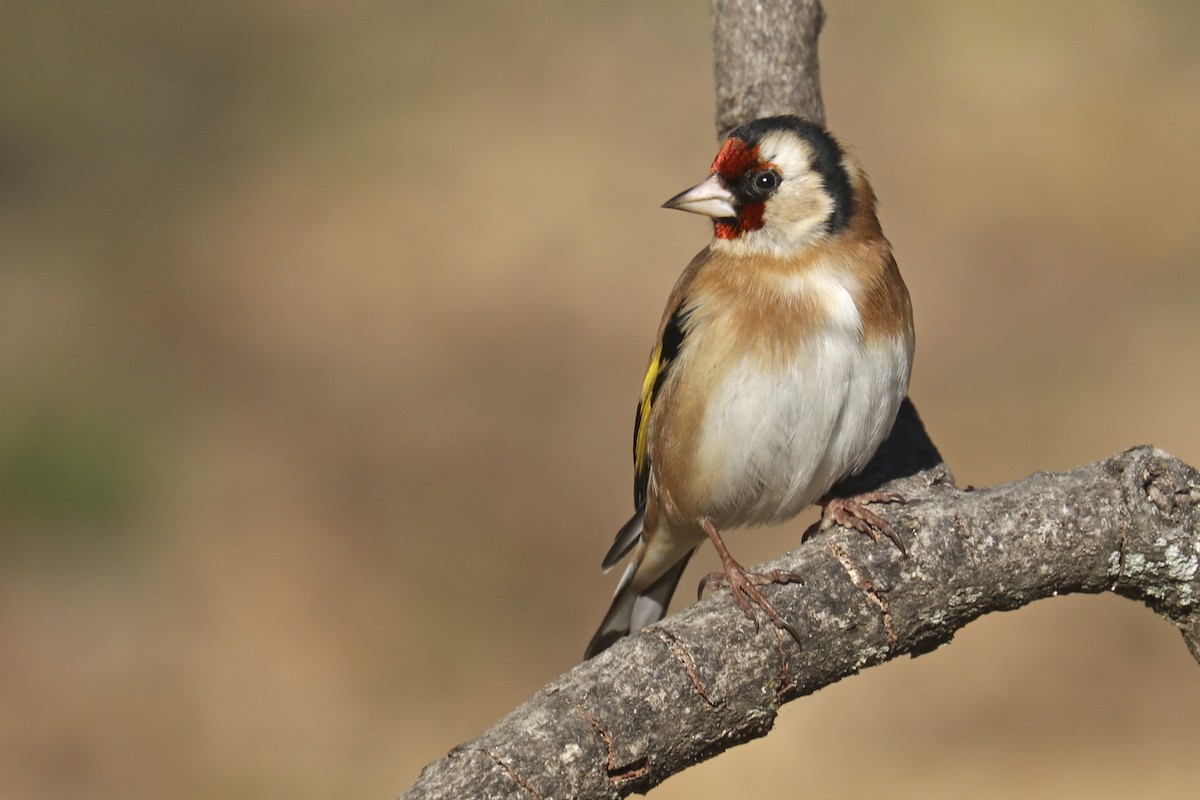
<point>777,440</point>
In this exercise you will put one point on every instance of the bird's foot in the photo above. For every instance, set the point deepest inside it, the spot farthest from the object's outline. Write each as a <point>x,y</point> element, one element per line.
<point>743,585</point>
<point>851,512</point>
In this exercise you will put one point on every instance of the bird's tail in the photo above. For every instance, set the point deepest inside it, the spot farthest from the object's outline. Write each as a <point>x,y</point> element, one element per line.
<point>633,609</point>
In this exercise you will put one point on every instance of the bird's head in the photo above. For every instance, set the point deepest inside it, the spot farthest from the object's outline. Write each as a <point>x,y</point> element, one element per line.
<point>779,184</point>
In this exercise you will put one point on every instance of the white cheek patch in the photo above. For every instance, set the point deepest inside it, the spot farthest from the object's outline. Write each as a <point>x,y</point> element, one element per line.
<point>797,212</point>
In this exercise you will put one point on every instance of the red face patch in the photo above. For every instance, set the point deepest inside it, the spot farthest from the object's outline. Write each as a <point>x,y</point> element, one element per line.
<point>749,218</point>
<point>734,159</point>
<point>733,162</point>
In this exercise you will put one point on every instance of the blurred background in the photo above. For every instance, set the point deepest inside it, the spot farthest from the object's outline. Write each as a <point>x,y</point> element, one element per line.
<point>321,329</point>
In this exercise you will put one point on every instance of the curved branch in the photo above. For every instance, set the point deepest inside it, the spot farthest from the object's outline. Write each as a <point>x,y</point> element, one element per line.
<point>704,680</point>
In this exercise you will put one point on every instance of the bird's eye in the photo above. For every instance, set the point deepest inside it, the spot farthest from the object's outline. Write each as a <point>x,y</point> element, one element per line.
<point>764,183</point>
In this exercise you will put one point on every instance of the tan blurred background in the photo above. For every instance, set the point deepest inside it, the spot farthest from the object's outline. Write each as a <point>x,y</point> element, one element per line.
<point>320,333</point>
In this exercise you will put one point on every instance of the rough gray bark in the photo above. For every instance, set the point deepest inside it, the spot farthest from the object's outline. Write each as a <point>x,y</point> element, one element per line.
<point>765,60</point>
<point>704,680</point>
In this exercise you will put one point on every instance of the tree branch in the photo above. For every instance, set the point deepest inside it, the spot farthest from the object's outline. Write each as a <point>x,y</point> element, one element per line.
<point>704,680</point>
<point>765,60</point>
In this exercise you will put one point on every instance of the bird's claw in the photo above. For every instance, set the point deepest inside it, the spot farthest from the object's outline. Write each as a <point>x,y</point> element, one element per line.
<point>743,588</point>
<point>851,512</point>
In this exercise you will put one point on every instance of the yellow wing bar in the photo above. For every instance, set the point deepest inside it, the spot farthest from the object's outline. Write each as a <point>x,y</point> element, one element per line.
<point>644,408</point>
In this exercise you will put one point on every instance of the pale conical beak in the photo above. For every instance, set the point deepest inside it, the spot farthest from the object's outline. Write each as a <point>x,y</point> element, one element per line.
<point>710,198</point>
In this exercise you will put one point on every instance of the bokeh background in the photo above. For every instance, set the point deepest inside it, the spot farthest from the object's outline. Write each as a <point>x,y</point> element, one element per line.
<point>321,328</point>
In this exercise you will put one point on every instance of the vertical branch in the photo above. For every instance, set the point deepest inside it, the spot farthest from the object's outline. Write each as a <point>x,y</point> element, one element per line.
<point>765,60</point>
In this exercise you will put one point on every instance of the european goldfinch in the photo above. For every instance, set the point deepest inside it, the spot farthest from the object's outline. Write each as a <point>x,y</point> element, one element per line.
<point>782,358</point>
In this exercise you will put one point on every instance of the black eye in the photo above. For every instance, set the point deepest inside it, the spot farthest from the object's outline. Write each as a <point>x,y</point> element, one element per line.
<point>764,183</point>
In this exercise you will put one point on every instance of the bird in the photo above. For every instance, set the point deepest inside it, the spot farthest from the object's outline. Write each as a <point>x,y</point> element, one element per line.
<point>782,358</point>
